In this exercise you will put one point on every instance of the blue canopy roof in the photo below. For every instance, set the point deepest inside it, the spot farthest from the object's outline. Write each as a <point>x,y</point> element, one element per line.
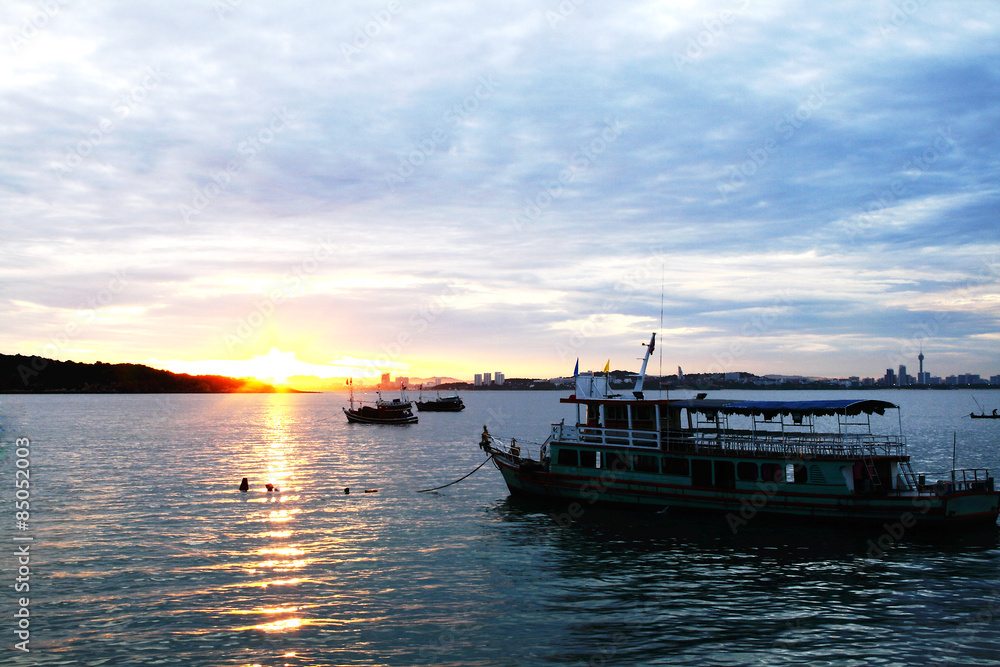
<point>819,407</point>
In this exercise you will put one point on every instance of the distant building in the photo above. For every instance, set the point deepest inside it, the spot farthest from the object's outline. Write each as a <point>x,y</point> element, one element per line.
<point>487,379</point>
<point>995,379</point>
<point>890,378</point>
<point>478,380</point>
<point>903,378</point>
<point>402,382</point>
<point>386,382</point>
<point>499,378</point>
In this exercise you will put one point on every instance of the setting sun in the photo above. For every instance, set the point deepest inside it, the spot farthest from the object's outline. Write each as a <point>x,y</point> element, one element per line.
<point>274,367</point>
<point>277,367</point>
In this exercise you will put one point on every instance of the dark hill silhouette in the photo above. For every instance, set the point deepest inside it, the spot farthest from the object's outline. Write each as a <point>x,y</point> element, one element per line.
<point>19,373</point>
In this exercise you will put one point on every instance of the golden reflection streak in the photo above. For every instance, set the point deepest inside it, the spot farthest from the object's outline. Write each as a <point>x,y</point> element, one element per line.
<point>281,551</point>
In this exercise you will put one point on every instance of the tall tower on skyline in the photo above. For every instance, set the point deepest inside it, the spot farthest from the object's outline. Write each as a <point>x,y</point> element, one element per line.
<point>922,377</point>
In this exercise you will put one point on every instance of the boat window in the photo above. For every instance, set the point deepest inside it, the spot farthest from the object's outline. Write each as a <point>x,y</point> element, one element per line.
<point>797,472</point>
<point>746,471</point>
<point>772,472</point>
<point>615,416</point>
<point>593,414</point>
<point>675,466</point>
<point>568,457</point>
<point>617,461</point>
<point>701,472</point>
<point>725,475</point>
<point>670,419</point>
<point>588,458</point>
<point>644,417</point>
<point>643,463</point>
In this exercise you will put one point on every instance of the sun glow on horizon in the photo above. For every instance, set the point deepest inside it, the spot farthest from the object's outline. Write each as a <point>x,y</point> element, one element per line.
<point>276,367</point>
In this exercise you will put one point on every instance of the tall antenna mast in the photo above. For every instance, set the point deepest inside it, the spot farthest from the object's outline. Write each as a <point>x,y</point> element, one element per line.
<point>637,392</point>
<point>659,386</point>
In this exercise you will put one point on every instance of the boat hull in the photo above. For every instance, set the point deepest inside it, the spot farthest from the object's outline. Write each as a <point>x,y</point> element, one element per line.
<point>392,417</point>
<point>739,506</point>
<point>433,406</point>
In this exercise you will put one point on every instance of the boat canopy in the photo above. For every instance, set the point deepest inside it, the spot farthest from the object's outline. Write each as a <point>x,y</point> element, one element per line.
<point>774,408</point>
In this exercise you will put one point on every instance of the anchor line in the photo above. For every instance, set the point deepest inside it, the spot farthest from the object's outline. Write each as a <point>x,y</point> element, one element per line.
<point>459,479</point>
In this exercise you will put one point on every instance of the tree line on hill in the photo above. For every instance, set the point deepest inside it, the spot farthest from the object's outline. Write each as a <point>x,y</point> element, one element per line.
<point>21,374</point>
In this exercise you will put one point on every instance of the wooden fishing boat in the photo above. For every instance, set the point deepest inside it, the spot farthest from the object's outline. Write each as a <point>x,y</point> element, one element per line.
<point>819,459</point>
<point>451,403</point>
<point>395,411</point>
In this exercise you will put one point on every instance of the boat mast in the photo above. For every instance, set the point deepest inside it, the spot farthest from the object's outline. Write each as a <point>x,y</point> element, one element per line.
<point>637,392</point>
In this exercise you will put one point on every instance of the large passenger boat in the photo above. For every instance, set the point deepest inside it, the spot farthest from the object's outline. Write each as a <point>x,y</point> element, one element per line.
<point>819,459</point>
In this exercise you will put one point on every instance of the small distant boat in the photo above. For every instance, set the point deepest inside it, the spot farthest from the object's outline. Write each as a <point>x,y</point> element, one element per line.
<point>982,412</point>
<point>395,411</point>
<point>451,403</point>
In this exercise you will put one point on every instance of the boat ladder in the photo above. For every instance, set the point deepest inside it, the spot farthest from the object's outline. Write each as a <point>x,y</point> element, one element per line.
<point>873,473</point>
<point>906,472</point>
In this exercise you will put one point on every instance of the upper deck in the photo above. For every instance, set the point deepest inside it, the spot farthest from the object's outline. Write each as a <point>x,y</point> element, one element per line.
<point>839,428</point>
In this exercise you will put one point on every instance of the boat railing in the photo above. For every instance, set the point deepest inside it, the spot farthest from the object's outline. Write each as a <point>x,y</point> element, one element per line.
<point>759,443</point>
<point>520,450</point>
<point>799,445</point>
<point>968,479</point>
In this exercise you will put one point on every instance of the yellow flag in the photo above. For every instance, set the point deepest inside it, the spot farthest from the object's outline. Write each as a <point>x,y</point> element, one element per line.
<point>607,366</point>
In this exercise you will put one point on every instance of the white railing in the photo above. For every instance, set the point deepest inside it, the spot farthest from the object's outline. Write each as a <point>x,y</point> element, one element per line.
<point>846,445</point>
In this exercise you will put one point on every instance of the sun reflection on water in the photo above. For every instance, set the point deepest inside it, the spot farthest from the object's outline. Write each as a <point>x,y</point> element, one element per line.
<point>276,454</point>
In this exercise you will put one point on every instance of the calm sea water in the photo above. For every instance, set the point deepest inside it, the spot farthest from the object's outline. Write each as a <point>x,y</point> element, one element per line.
<point>144,552</point>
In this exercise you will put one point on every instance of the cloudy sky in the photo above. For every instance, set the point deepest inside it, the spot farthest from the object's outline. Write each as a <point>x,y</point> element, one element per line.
<point>444,188</point>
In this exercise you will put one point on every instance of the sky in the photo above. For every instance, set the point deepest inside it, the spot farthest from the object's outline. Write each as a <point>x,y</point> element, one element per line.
<point>445,188</point>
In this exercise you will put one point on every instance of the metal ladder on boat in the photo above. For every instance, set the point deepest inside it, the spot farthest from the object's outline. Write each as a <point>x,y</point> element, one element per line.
<point>906,472</point>
<point>873,473</point>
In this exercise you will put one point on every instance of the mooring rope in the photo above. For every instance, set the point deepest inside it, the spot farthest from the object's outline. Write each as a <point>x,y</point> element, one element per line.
<point>460,478</point>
